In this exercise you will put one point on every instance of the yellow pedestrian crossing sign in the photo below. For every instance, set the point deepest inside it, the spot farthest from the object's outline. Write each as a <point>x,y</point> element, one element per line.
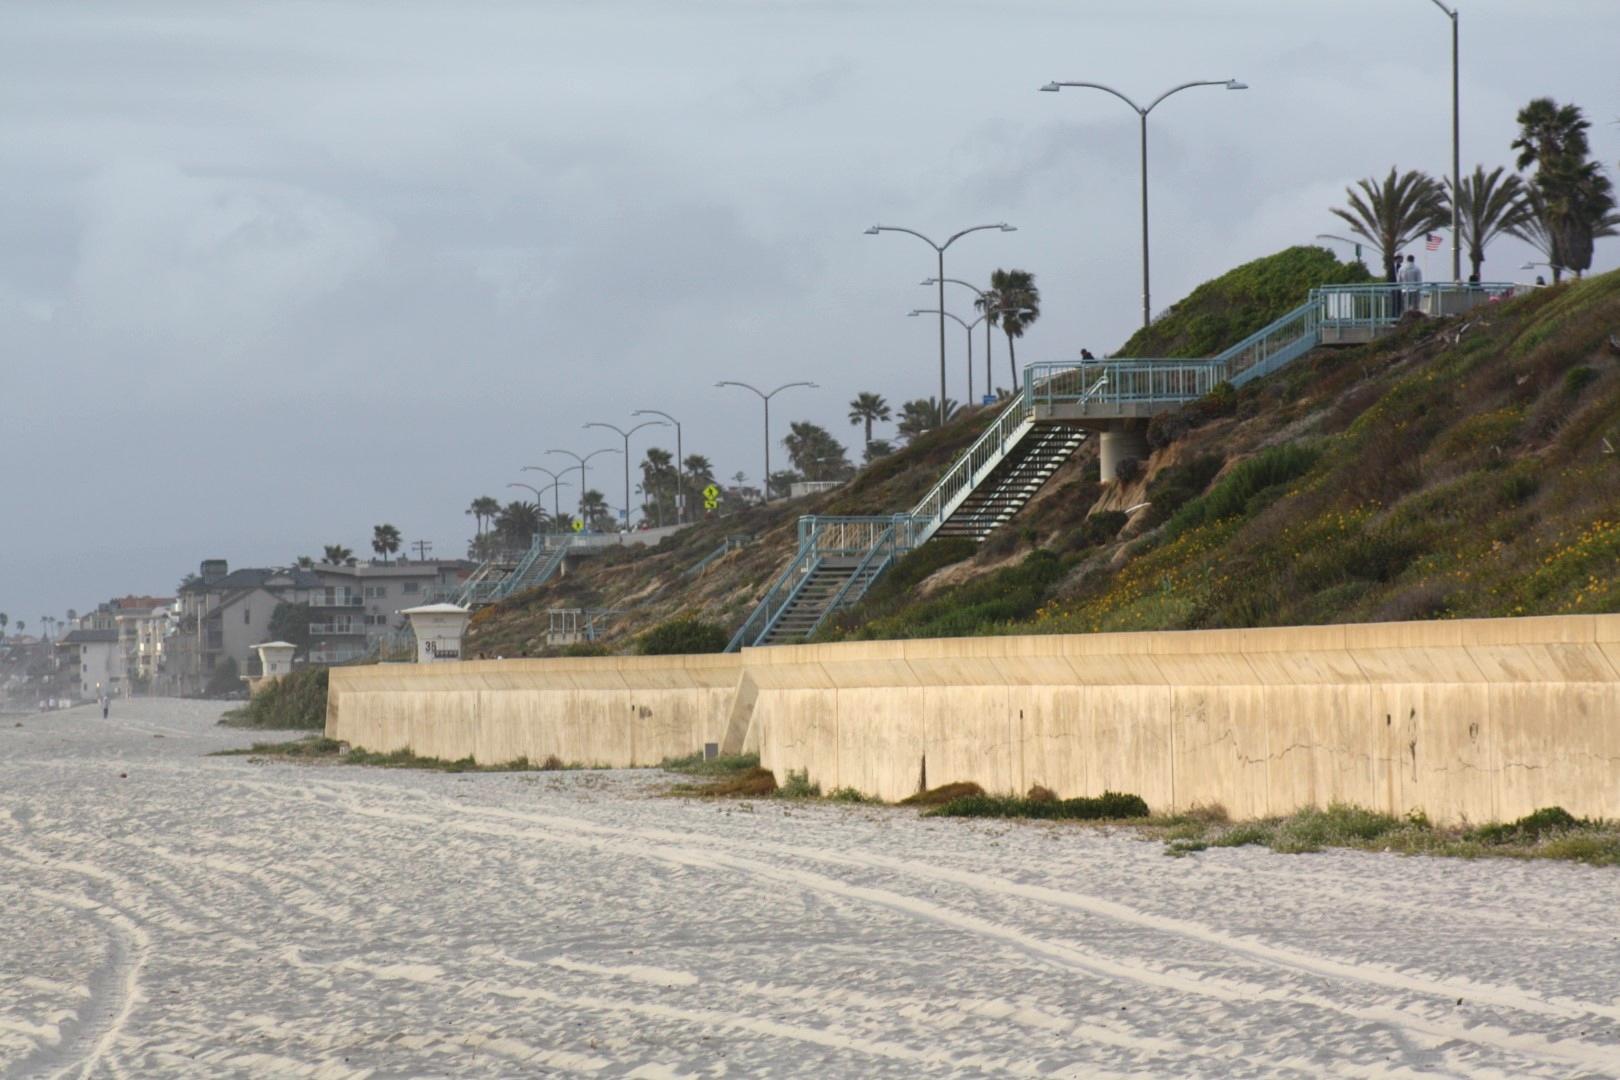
<point>711,497</point>
<point>578,525</point>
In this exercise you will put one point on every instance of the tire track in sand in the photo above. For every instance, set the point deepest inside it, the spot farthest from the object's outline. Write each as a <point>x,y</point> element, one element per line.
<point>673,848</point>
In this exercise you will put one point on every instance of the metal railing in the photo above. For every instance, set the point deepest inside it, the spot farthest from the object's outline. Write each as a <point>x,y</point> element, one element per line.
<point>340,600</point>
<point>777,599</point>
<point>728,545</point>
<point>883,552</point>
<point>337,628</point>
<point>971,466</point>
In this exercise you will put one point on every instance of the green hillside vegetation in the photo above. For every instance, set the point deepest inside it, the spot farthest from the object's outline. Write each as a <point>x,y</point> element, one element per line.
<point>1458,468</point>
<point>1228,309</point>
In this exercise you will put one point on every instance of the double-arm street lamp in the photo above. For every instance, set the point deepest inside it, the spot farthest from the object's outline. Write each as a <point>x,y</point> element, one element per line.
<point>1456,150</point>
<point>539,499</point>
<point>680,477</point>
<point>968,326</point>
<point>582,462</point>
<point>556,479</point>
<point>984,303</point>
<point>939,249</point>
<point>766,398</point>
<point>625,435</point>
<point>1230,84</point>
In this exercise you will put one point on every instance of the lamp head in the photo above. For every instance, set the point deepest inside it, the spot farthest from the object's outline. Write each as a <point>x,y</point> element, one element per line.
<point>1236,84</point>
<point>1528,266</point>
<point>913,313</point>
<point>929,281</point>
<point>873,231</point>
<point>1051,88</point>
<point>1004,227</point>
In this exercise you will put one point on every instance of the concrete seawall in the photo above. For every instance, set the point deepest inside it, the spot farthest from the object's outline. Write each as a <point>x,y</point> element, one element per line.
<point>609,711</point>
<point>1480,719</point>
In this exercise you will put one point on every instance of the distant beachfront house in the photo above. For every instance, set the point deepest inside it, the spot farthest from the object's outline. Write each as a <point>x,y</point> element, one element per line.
<point>223,613</point>
<point>90,664</point>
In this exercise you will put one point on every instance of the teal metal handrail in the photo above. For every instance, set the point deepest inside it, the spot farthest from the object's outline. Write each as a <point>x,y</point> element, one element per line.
<point>778,597</point>
<point>864,574</point>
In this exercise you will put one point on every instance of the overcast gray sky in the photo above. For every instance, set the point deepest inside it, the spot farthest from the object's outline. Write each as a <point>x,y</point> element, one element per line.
<point>272,273</point>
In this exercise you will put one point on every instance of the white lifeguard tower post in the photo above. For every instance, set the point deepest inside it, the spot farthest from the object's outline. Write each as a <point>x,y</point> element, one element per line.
<point>438,629</point>
<point>275,662</point>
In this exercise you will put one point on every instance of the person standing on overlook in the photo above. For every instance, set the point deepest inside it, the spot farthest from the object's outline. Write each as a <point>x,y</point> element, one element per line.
<point>1410,276</point>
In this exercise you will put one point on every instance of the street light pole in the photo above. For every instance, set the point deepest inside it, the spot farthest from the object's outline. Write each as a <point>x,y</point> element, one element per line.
<point>626,436</point>
<point>556,479</point>
<point>1456,148</point>
<point>965,326</point>
<point>984,303</point>
<point>766,398</point>
<point>680,477</point>
<point>582,462</point>
<point>939,249</point>
<point>1142,113</point>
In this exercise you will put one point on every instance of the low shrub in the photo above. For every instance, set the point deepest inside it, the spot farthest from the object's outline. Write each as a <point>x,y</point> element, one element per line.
<point>1530,828</point>
<point>943,794</point>
<point>748,783</point>
<point>295,702</point>
<point>1129,470</point>
<point>1577,379</point>
<point>723,765</point>
<point>1109,806</point>
<point>1246,488</point>
<point>798,786</point>
<point>684,636</point>
<point>1174,487</point>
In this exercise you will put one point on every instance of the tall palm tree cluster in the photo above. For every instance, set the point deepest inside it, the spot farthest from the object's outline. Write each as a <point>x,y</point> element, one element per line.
<point>661,482</point>
<point>1561,209</point>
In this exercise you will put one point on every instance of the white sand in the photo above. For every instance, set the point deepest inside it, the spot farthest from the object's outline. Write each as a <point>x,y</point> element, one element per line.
<point>212,917</point>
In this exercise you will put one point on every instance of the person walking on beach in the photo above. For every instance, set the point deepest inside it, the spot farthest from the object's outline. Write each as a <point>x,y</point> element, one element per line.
<point>106,704</point>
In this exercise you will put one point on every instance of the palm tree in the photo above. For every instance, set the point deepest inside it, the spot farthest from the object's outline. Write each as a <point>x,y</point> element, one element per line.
<point>336,554</point>
<point>517,522</point>
<point>595,510</point>
<point>304,562</point>
<point>1549,131</point>
<point>1012,302</point>
<point>1394,213</point>
<point>657,480</point>
<point>4,619</point>
<point>878,448</point>
<point>922,415</point>
<point>868,409</point>
<point>1489,205</point>
<point>385,540</point>
<point>483,510</point>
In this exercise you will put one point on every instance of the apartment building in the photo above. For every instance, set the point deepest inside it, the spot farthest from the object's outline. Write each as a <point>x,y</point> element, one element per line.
<point>89,664</point>
<point>359,604</point>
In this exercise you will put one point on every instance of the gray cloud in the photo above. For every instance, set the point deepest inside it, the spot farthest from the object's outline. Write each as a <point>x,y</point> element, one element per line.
<point>250,252</point>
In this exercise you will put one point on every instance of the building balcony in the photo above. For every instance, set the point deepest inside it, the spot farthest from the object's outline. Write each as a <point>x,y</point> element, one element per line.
<point>332,629</point>
<point>342,600</point>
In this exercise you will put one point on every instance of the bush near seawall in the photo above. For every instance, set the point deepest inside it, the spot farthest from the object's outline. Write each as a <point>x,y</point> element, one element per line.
<point>294,703</point>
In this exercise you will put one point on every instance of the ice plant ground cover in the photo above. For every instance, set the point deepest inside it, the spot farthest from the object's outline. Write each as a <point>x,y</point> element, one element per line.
<point>168,912</point>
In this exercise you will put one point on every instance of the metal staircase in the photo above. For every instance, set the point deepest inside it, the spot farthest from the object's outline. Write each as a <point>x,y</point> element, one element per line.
<point>839,558</point>
<point>492,580</point>
<point>1021,472</point>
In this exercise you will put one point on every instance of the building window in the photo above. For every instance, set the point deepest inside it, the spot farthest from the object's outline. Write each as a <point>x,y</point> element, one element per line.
<point>412,586</point>
<point>375,592</point>
<point>245,616</point>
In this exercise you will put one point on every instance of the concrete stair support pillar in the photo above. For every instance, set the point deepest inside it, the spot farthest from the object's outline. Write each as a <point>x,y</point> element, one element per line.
<point>1121,440</point>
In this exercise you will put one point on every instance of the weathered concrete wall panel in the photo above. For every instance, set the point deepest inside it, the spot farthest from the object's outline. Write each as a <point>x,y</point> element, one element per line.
<point>1483,720</point>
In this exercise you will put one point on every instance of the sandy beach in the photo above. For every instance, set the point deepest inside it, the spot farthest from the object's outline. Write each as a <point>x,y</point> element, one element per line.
<point>164,912</point>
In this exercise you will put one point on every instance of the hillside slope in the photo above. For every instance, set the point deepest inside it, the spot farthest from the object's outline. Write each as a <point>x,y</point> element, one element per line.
<point>1227,309</point>
<point>1463,467</point>
<point>648,587</point>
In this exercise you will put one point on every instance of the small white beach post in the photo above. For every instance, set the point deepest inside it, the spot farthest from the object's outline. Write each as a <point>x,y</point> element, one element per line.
<point>438,629</point>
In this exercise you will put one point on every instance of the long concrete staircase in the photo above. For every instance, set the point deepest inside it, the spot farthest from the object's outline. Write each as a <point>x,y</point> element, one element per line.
<point>839,558</point>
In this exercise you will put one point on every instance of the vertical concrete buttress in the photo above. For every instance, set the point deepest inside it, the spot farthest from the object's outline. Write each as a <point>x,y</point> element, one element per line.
<point>1123,439</point>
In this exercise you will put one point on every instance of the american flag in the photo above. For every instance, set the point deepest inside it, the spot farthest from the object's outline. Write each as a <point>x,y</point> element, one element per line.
<point>1432,242</point>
